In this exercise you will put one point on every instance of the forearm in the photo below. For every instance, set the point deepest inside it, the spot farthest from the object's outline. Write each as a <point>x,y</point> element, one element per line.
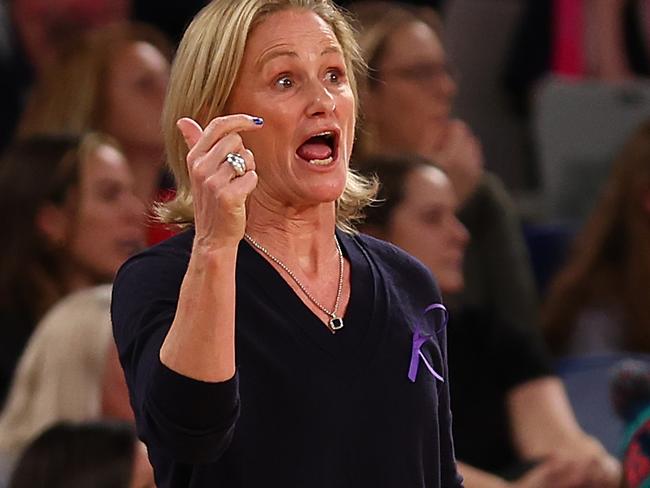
<point>542,418</point>
<point>200,343</point>
<point>545,428</point>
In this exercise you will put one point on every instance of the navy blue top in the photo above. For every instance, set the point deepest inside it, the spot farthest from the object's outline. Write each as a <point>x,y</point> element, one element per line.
<point>306,408</point>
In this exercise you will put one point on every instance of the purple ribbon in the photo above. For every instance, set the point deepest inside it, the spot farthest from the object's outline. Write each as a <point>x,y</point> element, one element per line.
<point>419,338</point>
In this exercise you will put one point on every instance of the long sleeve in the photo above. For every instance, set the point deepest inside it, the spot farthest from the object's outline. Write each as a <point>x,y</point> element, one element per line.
<point>190,421</point>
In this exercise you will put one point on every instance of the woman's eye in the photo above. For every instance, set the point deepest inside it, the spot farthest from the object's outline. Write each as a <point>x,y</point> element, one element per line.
<point>144,83</point>
<point>284,82</point>
<point>109,193</point>
<point>432,217</point>
<point>335,76</point>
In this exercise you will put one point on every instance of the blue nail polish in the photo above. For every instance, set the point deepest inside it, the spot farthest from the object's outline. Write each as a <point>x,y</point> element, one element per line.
<point>258,120</point>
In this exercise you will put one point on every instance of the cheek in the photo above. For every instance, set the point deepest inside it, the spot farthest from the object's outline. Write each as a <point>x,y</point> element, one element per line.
<point>127,109</point>
<point>92,223</point>
<point>404,233</point>
<point>268,146</point>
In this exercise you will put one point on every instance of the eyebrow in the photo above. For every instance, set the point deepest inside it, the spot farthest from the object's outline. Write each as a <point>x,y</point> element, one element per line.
<point>269,55</point>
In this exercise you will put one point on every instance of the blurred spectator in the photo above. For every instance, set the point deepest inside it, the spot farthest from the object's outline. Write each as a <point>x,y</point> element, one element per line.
<point>604,39</point>
<point>406,104</point>
<point>111,80</point>
<point>512,418</point>
<point>35,31</point>
<point>170,17</point>
<point>97,454</point>
<point>599,301</point>
<point>62,373</point>
<point>71,219</point>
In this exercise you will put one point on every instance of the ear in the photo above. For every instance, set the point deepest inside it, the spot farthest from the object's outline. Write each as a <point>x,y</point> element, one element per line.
<point>53,222</point>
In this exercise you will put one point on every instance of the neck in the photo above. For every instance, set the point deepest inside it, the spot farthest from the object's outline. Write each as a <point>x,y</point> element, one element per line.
<point>301,237</point>
<point>146,163</point>
<point>78,279</point>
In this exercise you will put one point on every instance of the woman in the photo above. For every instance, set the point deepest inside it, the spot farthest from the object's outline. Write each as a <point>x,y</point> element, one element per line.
<point>111,80</point>
<point>407,102</point>
<point>269,344</point>
<point>598,303</point>
<point>100,454</point>
<point>68,372</point>
<point>511,416</point>
<point>72,219</point>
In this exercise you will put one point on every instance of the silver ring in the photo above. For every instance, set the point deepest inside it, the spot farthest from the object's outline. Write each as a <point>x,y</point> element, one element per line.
<point>237,163</point>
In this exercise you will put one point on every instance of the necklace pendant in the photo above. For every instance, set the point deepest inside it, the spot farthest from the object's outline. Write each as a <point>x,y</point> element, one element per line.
<point>335,323</point>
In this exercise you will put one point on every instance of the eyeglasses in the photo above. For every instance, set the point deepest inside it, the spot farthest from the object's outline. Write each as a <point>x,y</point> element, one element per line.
<point>421,73</point>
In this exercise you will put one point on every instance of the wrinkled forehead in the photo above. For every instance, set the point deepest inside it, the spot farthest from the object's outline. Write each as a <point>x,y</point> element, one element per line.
<point>289,31</point>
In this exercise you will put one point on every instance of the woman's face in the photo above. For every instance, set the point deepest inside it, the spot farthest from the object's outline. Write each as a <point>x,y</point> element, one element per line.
<point>135,91</point>
<point>424,224</point>
<point>409,106</point>
<point>293,75</point>
<point>107,225</point>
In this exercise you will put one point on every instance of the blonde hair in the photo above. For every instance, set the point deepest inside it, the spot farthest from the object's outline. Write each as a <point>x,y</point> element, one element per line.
<point>59,375</point>
<point>204,73</point>
<point>70,96</point>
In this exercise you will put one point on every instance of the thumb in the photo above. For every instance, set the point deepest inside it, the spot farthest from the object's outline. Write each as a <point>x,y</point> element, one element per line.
<point>190,130</point>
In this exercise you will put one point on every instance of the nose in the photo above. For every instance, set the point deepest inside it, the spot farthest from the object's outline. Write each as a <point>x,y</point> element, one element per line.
<point>448,86</point>
<point>321,100</point>
<point>459,233</point>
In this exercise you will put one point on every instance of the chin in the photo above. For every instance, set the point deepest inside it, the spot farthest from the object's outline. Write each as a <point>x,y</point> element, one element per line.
<point>451,285</point>
<point>329,191</point>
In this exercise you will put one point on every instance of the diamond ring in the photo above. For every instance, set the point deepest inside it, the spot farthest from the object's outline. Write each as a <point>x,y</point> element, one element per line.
<point>237,162</point>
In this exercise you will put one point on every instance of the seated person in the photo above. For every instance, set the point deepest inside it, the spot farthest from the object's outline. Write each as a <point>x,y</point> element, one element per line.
<point>406,103</point>
<point>512,421</point>
<point>598,302</point>
<point>71,219</point>
<point>112,80</point>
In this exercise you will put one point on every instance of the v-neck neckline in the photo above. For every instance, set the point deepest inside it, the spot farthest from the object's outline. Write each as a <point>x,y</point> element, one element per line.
<point>306,326</point>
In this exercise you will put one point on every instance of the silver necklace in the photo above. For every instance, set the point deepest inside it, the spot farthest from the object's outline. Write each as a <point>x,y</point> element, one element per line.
<point>335,322</point>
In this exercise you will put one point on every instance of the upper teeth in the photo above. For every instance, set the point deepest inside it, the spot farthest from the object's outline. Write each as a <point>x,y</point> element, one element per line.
<point>324,134</point>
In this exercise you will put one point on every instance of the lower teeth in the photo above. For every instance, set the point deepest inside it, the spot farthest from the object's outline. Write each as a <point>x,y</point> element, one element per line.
<point>321,162</point>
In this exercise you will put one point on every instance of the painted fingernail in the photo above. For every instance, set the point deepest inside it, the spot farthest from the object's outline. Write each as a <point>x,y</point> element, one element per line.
<point>258,120</point>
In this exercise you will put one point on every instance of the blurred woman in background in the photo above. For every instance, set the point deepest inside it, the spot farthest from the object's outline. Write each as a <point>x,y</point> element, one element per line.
<point>406,108</point>
<point>111,80</point>
<point>71,219</point>
<point>598,303</point>
<point>512,422</point>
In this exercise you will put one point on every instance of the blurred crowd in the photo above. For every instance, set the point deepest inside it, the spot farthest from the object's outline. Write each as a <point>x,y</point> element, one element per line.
<point>463,111</point>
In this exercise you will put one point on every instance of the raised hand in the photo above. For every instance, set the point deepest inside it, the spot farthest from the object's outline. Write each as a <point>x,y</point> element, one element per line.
<point>460,155</point>
<point>219,195</point>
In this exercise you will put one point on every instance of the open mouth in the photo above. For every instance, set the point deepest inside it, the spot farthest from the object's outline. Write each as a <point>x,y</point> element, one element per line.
<point>320,149</point>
